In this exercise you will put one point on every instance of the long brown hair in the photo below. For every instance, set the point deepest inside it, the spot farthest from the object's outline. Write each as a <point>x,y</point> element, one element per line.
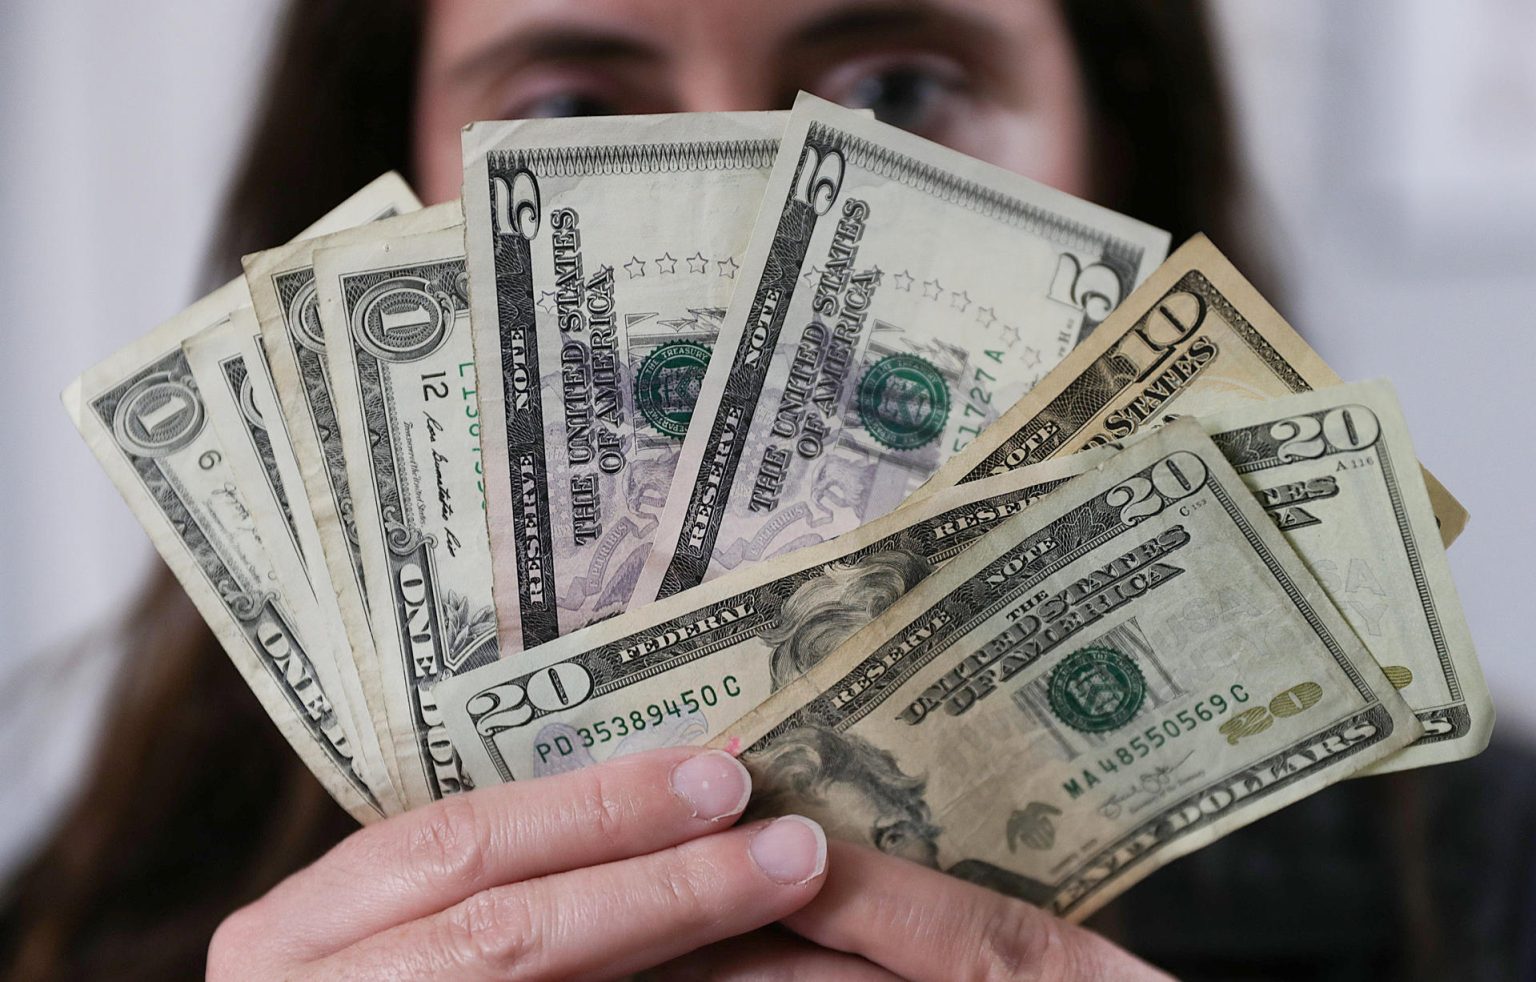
<point>195,805</point>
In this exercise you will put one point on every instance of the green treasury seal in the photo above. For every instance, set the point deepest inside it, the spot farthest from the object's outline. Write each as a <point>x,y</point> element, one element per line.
<point>667,385</point>
<point>1096,689</point>
<point>903,402</point>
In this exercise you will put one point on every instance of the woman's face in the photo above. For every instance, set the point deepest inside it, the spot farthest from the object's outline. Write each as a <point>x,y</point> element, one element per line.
<point>997,79</point>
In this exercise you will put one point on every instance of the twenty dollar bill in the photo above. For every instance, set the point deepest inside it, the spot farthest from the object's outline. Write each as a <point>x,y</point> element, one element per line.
<point>674,671</point>
<point>1060,710</point>
<point>1335,470</point>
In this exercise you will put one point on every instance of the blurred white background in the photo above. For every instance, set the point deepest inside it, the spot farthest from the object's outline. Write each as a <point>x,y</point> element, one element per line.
<point>1393,143</point>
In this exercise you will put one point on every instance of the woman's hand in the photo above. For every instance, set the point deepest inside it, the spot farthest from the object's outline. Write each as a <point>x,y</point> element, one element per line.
<point>914,923</point>
<point>588,875</point>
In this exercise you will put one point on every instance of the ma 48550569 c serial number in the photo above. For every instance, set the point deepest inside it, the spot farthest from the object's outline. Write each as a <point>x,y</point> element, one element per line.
<point>642,718</point>
<point>1182,722</point>
<point>1156,736</point>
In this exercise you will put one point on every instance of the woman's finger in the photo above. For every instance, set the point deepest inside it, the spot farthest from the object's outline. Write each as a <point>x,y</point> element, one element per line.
<point>427,860</point>
<point>607,921</point>
<point>929,927</point>
<point>769,955</point>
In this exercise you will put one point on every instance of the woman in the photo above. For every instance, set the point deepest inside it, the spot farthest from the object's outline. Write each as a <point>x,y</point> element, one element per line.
<point>196,807</point>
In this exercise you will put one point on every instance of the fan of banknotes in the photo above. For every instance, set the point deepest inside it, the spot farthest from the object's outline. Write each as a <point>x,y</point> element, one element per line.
<point>979,530</point>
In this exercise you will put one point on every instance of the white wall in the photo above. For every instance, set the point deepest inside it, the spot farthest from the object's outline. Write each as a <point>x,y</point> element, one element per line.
<point>1395,144</point>
<point>117,123</point>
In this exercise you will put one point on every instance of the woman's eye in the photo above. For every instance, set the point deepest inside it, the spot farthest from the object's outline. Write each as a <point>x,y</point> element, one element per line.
<point>901,97</point>
<point>560,104</point>
<point>911,95</point>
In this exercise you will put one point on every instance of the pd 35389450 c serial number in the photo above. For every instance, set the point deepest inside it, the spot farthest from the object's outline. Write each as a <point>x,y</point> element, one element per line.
<point>642,718</point>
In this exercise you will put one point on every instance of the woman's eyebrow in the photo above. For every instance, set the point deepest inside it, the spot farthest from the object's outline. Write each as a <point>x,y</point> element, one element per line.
<point>551,44</point>
<point>880,19</point>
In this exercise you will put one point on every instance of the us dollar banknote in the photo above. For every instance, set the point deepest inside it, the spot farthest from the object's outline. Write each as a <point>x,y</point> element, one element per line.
<point>282,285</point>
<point>243,417</point>
<point>1194,339</point>
<point>203,528</point>
<point>1335,469</point>
<point>284,465</point>
<point>264,395</point>
<point>1060,711</point>
<point>144,417</point>
<point>673,671</point>
<point>602,255</point>
<point>395,312</point>
<point>896,295</point>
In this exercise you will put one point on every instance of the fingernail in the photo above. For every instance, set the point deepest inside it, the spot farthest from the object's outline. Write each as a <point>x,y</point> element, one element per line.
<point>790,850</point>
<point>714,784</point>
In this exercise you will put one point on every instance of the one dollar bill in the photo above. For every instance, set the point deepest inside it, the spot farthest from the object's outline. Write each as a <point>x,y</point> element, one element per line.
<point>395,312</point>
<point>282,285</point>
<point>143,415</point>
<point>1055,714</point>
<point>242,412</point>
<point>1194,339</point>
<point>1335,470</point>
<point>602,255</point>
<point>673,671</point>
<point>896,295</point>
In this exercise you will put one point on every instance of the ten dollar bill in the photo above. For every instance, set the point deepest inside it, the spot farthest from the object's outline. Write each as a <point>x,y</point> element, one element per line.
<point>1194,339</point>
